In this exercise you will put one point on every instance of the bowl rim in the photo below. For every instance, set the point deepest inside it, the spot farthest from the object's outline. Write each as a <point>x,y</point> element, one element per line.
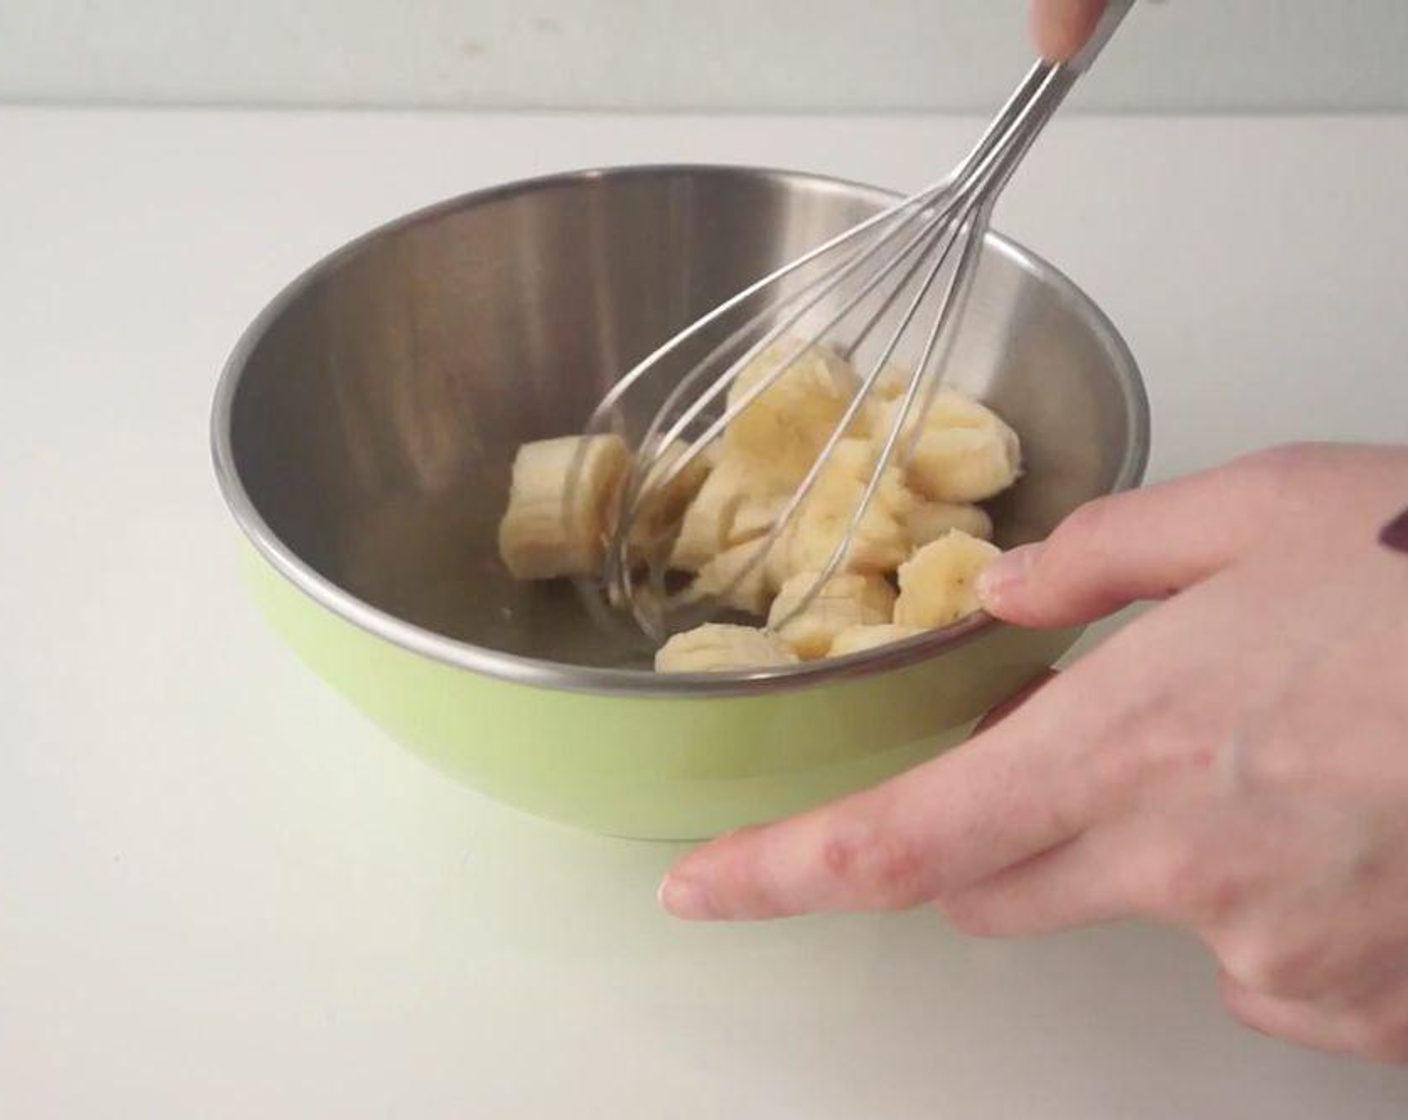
<point>539,673</point>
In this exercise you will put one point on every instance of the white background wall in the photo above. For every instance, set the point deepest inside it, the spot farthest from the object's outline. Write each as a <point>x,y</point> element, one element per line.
<point>661,54</point>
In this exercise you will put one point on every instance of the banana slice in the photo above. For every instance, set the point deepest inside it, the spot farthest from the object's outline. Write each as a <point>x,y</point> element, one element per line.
<point>716,516</point>
<point>704,531</point>
<point>859,639</point>
<point>752,593</point>
<point>879,544</point>
<point>714,648</point>
<point>668,502</point>
<point>843,602</point>
<point>777,564</point>
<point>928,521</point>
<point>938,583</point>
<point>964,453</point>
<point>806,543</point>
<point>950,408</point>
<point>755,518</point>
<point>853,460</point>
<point>658,514</point>
<point>965,464</point>
<point>539,536</point>
<point>893,382</point>
<point>784,429</point>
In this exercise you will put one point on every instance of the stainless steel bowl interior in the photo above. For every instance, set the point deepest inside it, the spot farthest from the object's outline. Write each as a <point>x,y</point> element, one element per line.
<point>365,425</point>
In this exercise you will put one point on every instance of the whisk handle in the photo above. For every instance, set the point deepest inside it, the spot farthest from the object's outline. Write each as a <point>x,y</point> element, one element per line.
<point>1055,81</point>
<point>1115,11</point>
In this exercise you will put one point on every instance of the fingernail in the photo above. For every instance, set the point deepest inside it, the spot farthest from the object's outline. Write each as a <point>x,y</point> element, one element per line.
<point>1395,534</point>
<point>685,898</point>
<point>1005,576</point>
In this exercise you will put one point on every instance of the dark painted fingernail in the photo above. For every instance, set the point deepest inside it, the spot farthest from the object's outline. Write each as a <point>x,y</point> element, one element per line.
<point>1395,533</point>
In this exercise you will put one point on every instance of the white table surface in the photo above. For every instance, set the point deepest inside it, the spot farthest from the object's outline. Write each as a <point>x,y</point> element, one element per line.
<point>222,893</point>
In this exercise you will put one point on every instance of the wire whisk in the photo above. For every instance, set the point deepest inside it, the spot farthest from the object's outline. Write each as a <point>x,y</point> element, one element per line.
<point>899,278</point>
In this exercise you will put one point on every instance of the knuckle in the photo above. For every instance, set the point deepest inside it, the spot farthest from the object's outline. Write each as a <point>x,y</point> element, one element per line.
<point>1390,1043</point>
<point>1381,1031</point>
<point>1192,883</point>
<point>884,871</point>
<point>1240,1007</point>
<point>1269,763</point>
<point>1273,753</point>
<point>1177,743</point>
<point>1269,962</point>
<point>967,914</point>
<point>1196,759</point>
<point>1154,742</point>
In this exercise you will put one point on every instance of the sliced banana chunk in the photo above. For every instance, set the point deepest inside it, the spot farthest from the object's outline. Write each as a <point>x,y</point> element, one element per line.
<point>893,382</point>
<point>655,520</point>
<point>755,518</point>
<point>716,580</point>
<point>777,564</point>
<point>666,503</point>
<point>938,583</point>
<point>714,648</point>
<point>949,408</point>
<point>784,429</point>
<point>859,639</point>
<point>540,537</point>
<point>879,543</point>
<point>952,408</point>
<point>708,520</point>
<point>927,521</point>
<point>965,464</point>
<point>965,452</point>
<point>843,602</point>
<point>714,519</point>
<point>854,460</point>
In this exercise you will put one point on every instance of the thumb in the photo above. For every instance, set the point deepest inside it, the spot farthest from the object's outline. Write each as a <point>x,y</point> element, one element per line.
<point>1061,27</point>
<point>1144,544</point>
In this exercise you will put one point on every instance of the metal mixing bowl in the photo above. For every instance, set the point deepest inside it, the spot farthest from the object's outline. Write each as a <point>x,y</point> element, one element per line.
<point>363,432</point>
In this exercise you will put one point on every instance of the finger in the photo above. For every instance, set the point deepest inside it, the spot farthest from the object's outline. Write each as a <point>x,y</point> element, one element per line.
<point>1298,1021</point>
<point>1160,867</point>
<point>1070,885</point>
<point>998,712</point>
<point>1372,1024</point>
<point>1320,959</point>
<point>994,801</point>
<point>1313,929</point>
<point>1061,27</point>
<point>1139,545</point>
<point>1107,872</point>
<point>1191,866</point>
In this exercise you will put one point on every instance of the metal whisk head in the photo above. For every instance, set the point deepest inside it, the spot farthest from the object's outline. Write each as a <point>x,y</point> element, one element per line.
<point>872,292</point>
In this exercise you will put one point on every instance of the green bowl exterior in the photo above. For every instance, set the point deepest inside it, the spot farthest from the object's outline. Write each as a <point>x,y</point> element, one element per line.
<point>656,768</point>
